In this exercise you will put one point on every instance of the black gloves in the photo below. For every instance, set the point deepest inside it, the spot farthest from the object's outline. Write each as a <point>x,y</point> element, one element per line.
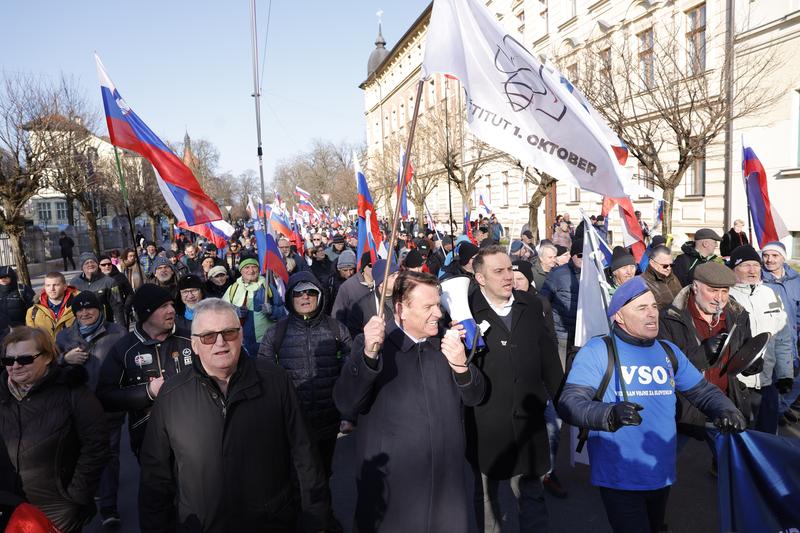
<point>712,346</point>
<point>730,420</point>
<point>755,368</point>
<point>784,385</point>
<point>624,414</point>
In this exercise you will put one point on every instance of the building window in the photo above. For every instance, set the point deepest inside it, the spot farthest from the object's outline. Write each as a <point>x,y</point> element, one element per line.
<point>43,211</point>
<point>543,14</point>
<point>572,73</point>
<point>696,176</point>
<point>572,8</point>
<point>525,185</point>
<point>521,20</point>
<point>646,179</point>
<point>574,195</point>
<point>505,189</point>
<point>605,65</point>
<point>646,67</point>
<point>61,211</point>
<point>696,39</point>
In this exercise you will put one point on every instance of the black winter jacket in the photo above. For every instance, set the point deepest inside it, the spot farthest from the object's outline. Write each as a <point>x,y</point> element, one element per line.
<point>15,299</point>
<point>506,432</point>
<point>216,463</point>
<point>58,444</point>
<point>98,345</point>
<point>684,265</point>
<point>108,292</point>
<point>128,368</point>
<point>312,354</point>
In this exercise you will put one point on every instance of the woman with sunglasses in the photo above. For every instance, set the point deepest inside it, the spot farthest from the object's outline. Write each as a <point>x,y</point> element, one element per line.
<point>53,427</point>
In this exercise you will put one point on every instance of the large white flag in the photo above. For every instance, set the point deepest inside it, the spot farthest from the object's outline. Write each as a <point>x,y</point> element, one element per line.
<point>517,105</point>
<point>593,289</point>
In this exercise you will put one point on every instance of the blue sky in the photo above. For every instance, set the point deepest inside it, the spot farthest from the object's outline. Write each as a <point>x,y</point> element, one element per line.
<point>184,64</point>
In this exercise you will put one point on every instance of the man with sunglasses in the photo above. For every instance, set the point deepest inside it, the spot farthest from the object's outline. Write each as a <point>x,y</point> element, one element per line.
<point>659,277</point>
<point>235,427</point>
<point>135,369</point>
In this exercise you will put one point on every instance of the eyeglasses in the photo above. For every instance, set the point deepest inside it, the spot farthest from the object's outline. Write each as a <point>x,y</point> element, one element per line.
<point>105,264</point>
<point>190,291</point>
<point>579,256</point>
<point>308,292</point>
<point>211,337</point>
<point>662,265</point>
<point>21,360</point>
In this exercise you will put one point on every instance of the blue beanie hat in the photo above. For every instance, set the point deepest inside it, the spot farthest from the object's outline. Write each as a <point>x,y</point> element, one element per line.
<point>625,293</point>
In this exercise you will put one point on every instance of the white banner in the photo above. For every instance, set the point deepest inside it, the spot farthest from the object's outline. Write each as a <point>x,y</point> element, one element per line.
<point>517,105</point>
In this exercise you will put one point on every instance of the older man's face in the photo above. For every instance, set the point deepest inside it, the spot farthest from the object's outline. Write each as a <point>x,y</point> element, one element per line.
<point>748,272</point>
<point>639,318</point>
<point>163,273</point>
<point>220,357</point>
<point>250,273</point>
<point>705,247</point>
<point>773,261</point>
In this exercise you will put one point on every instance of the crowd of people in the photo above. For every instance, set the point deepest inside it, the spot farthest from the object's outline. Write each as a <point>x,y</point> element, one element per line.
<point>236,386</point>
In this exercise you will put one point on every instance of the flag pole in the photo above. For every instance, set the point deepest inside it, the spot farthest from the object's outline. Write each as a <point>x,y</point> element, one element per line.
<point>747,197</point>
<point>447,151</point>
<point>438,235</point>
<point>396,218</point>
<point>126,201</point>
<point>257,99</point>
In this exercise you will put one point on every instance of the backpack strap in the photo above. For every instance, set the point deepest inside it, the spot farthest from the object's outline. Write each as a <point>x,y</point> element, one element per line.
<point>583,434</point>
<point>671,354</point>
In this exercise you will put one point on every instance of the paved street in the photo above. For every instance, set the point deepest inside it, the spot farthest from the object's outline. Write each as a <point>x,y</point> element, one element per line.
<point>692,505</point>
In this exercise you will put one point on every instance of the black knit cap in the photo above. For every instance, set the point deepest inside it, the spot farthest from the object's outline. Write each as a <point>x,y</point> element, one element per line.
<point>85,300</point>
<point>466,251</point>
<point>524,268</point>
<point>147,299</point>
<point>743,253</point>
<point>190,281</point>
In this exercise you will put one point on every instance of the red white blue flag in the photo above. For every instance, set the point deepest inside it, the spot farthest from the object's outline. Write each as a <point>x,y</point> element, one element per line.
<point>180,188</point>
<point>767,222</point>
<point>302,193</point>
<point>369,234</point>
<point>483,206</point>
<point>219,232</point>
<point>402,185</point>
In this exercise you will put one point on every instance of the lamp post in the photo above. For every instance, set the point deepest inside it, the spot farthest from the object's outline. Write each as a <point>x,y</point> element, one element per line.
<point>228,209</point>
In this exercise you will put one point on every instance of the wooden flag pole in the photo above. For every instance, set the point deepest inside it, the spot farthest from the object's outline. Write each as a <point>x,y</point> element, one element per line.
<point>406,165</point>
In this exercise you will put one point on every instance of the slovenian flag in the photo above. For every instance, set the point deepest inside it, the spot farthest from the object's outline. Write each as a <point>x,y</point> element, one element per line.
<point>483,206</point>
<point>183,194</point>
<point>219,232</point>
<point>302,193</point>
<point>468,225</point>
<point>768,224</point>
<point>402,185</point>
<point>369,234</point>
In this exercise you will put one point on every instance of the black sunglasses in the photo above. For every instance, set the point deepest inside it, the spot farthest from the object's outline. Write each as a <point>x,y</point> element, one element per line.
<point>307,292</point>
<point>105,264</point>
<point>21,360</point>
<point>211,337</point>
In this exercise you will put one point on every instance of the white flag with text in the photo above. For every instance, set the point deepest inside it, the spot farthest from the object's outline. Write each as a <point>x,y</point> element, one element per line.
<point>517,105</point>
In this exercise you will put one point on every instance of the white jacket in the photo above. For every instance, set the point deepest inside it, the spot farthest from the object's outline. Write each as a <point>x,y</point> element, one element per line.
<point>767,314</point>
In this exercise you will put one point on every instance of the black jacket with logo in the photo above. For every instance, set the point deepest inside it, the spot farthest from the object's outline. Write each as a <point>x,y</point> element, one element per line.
<point>128,368</point>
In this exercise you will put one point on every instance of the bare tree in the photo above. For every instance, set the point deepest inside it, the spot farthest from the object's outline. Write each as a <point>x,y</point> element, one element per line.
<point>23,163</point>
<point>657,93</point>
<point>327,168</point>
<point>543,182</point>
<point>72,150</point>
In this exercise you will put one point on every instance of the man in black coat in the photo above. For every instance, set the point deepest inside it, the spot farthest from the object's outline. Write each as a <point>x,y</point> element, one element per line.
<point>134,371</point>
<point>506,433</point>
<point>367,307</point>
<point>695,253</point>
<point>234,426</point>
<point>310,346</point>
<point>408,386</point>
<point>15,299</point>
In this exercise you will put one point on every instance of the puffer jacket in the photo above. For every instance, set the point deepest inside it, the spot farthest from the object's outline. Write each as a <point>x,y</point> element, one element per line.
<point>107,291</point>
<point>97,345</point>
<point>684,265</point>
<point>41,316</point>
<point>128,368</point>
<point>58,444</point>
<point>311,352</point>
<point>767,314</point>
<point>561,290</point>
<point>788,288</point>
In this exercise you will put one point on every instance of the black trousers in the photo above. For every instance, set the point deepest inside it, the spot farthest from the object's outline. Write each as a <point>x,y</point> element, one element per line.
<point>69,258</point>
<point>635,511</point>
